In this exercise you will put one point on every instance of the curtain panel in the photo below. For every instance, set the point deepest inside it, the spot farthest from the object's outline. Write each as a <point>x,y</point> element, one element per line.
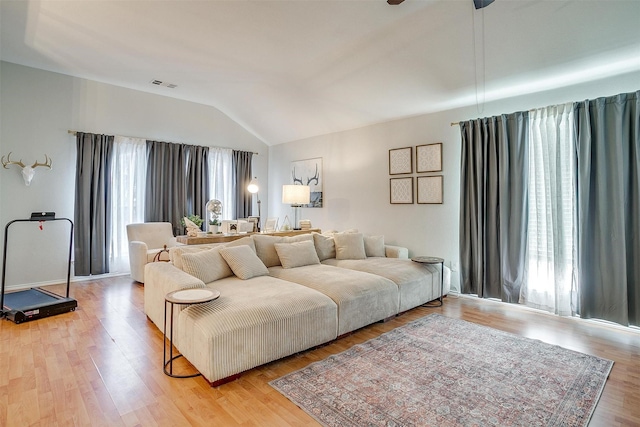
<point>197,181</point>
<point>128,177</point>
<point>551,283</point>
<point>493,206</point>
<point>166,184</point>
<point>92,213</point>
<point>221,179</point>
<point>608,151</point>
<point>177,183</point>
<point>242,177</point>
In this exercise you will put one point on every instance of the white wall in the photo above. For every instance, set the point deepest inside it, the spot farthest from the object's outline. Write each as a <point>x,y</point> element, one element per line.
<point>356,178</point>
<point>37,108</point>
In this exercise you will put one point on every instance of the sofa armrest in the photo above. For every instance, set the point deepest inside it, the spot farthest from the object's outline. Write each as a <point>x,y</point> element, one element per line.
<point>160,279</point>
<point>137,259</point>
<point>396,252</point>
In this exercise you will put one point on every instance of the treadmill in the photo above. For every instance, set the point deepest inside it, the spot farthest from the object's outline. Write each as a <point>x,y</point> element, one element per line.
<point>35,303</point>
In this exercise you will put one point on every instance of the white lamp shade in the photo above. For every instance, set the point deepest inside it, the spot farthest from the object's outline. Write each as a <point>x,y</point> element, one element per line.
<point>296,194</point>
<point>253,186</point>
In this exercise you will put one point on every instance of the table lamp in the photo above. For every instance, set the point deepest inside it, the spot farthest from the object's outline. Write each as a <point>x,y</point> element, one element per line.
<point>296,196</point>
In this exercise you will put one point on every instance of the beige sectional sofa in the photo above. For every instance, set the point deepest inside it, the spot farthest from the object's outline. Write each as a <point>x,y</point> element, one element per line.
<point>282,295</point>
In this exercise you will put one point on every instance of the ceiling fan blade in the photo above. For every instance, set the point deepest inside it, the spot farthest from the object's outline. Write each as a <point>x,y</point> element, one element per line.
<point>394,2</point>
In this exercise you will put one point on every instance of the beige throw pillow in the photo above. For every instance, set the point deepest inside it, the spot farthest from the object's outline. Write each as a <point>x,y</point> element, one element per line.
<point>266,250</point>
<point>206,265</point>
<point>175,253</point>
<point>244,262</point>
<point>325,246</point>
<point>374,246</point>
<point>349,246</point>
<point>297,254</point>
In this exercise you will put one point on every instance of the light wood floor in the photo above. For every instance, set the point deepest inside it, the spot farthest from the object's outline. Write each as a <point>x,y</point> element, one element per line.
<point>101,365</point>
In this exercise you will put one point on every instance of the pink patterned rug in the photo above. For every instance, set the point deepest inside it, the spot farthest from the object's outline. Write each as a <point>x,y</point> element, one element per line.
<point>438,371</point>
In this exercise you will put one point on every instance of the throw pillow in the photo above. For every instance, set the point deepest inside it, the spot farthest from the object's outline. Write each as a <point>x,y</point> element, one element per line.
<point>206,265</point>
<point>374,246</point>
<point>349,246</point>
<point>244,262</point>
<point>297,254</point>
<point>176,253</point>
<point>325,246</point>
<point>266,250</point>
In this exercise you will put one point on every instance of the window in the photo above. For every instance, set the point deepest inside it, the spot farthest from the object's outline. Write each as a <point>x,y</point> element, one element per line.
<point>552,204</point>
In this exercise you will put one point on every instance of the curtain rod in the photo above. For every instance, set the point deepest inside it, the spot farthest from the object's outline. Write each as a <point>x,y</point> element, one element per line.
<point>75,132</point>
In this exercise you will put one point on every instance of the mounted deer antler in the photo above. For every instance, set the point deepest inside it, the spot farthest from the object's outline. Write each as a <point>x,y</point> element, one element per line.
<point>11,162</point>
<point>27,171</point>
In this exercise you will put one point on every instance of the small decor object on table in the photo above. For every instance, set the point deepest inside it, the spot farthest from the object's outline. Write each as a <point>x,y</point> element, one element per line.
<point>183,297</point>
<point>433,260</point>
<point>429,158</point>
<point>192,224</point>
<point>305,224</point>
<point>400,160</point>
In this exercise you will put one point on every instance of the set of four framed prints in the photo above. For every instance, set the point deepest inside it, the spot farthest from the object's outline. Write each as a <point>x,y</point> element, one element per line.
<point>429,187</point>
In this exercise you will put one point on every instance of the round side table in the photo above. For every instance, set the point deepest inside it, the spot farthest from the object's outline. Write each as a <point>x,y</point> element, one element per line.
<point>182,297</point>
<point>433,260</point>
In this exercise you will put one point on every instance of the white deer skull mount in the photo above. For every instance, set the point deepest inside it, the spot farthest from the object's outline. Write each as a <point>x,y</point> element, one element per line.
<point>28,172</point>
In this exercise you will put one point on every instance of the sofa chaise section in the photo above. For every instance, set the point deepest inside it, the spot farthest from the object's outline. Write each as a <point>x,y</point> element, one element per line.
<point>253,322</point>
<point>417,283</point>
<point>362,298</point>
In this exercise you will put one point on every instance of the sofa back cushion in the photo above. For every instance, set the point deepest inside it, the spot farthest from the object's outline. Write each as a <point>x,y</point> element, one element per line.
<point>349,246</point>
<point>297,254</point>
<point>244,262</point>
<point>325,246</point>
<point>374,246</point>
<point>266,250</point>
<point>207,265</point>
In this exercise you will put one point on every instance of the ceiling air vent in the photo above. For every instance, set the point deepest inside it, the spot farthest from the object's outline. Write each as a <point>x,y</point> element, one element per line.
<point>161,83</point>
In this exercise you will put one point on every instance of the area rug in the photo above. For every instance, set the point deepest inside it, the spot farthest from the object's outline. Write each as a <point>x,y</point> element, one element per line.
<point>438,371</point>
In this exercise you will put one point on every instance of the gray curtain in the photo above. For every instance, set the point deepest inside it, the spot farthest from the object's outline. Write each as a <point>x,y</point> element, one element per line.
<point>92,213</point>
<point>493,206</point>
<point>608,148</point>
<point>197,181</point>
<point>177,182</point>
<point>242,176</point>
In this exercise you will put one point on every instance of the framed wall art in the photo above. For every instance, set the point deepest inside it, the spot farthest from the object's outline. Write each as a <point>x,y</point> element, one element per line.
<point>401,190</point>
<point>309,172</point>
<point>400,160</point>
<point>429,158</point>
<point>430,189</point>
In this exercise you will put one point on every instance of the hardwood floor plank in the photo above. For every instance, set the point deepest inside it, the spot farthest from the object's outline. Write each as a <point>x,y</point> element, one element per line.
<point>102,365</point>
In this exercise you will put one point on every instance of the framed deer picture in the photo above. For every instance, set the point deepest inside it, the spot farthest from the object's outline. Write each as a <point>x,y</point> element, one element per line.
<point>309,172</point>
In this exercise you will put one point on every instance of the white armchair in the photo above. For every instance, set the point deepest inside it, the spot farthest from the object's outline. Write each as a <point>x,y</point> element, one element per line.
<point>145,241</point>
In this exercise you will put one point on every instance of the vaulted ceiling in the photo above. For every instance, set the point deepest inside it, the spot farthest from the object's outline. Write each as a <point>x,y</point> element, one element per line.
<point>288,70</point>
